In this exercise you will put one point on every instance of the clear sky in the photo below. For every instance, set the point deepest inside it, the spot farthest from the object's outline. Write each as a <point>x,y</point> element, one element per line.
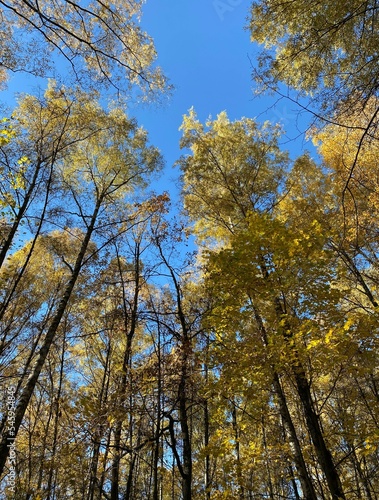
<point>205,50</point>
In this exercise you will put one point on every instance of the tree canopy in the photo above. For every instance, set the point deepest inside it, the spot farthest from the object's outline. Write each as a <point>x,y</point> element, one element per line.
<point>327,50</point>
<point>100,42</point>
<point>227,348</point>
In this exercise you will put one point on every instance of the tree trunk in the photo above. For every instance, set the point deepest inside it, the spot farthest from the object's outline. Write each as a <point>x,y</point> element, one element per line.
<point>312,420</point>
<point>185,468</point>
<point>187,451</point>
<point>26,394</point>
<point>206,438</point>
<point>99,429</point>
<point>20,214</point>
<point>309,492</point>
<point>237,450</point>
<point>157,452</point>
<point>53,469</point>
<point>323,454</point>
<point>130,325</point>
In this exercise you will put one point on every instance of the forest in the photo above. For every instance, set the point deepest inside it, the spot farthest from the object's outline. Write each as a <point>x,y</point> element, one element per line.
<point>227,349</point>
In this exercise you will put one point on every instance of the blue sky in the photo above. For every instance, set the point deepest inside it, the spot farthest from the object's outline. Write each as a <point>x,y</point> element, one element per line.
<point>206,58</point>
<point>205,51</point>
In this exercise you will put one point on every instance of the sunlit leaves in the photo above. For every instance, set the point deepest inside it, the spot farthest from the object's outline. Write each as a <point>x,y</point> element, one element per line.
<point>316,46</point>
<point>100,42</point>
<point>233,168</point>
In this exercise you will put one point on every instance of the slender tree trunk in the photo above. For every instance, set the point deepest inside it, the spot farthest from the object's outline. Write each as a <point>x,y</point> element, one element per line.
<point>99,429</point>
<point>30,193</point>
<point>237,450</point>
<point>6,302</point>
<point>93,466</point>
<point>42,457</point>
<point>313,424</point>
<point>351,265</point>
<point>309,492</point>
<point>130,326</point>
<point>129,483</point>
<point>157,452</point>
<point>104,465</point>
<point>20,214</point>
<point>312,420</point>
<point>270,485</point>
<point>26,394</point>
<point>53,468</point>
<point>305,480</point>
<point>184,427</point>
<point>116,461</point>
<point>206,437</point>
<point>185,468</point>
<point>294,485</point>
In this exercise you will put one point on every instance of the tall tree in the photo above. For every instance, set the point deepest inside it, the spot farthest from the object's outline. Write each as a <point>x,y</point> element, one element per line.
<point>93,177</point>
<point>236,167</point>
<point>276,301</point>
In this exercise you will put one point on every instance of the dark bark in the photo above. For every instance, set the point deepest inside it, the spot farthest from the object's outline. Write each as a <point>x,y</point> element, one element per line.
<point>157,452</point>
<point>207,435</point>
<point>184,427</point>
<point>313,424</point>
<point>20,214</point>
<point>270,485</point>
<point>324,455</point>
<point>99,429</point>
<point>28,390</point>
<point>184,466</point>
<point>129,483</point>
<point>130,325</point>
<point>57,412</point>
<point>309,492</point>
<point>237,451</point>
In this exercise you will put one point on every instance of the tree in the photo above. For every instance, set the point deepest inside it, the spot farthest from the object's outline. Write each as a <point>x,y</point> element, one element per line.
<point>93,178</point>
<point>42,131</point>
<point>277,280</point>
<point>349,153</point>
<point>274,266</point>
<point>236,167</point>
<point>182,331</point>
<point>325,50</point>
<point>101,42</point>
